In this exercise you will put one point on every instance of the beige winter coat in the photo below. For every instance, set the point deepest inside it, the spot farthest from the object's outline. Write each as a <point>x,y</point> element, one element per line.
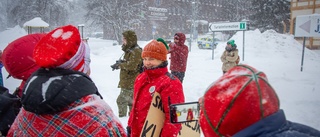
<point>229,59</point>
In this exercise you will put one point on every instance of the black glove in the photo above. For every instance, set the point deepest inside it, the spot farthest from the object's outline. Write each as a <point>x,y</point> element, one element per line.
<point>115,66</point>
<point>128,131</point>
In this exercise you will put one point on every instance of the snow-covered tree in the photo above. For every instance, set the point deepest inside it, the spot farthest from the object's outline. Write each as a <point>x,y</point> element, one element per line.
<point>115,16</point>
<point>54,12</point>
<point>3,16</point>
<point>269,14</point>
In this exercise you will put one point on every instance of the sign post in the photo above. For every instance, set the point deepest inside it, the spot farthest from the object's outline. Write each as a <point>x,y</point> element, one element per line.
<point>230,26</point>
<point>307,26</point>
<point>153,31</point>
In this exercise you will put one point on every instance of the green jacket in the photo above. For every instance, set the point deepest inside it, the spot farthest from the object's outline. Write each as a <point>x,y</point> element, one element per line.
<point>129,68</point>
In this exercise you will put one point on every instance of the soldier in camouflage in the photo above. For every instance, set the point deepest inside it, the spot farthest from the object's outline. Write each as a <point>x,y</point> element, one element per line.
<point>129,70</point>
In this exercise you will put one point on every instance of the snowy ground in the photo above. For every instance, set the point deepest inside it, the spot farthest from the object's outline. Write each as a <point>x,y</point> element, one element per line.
<point>278,55</point>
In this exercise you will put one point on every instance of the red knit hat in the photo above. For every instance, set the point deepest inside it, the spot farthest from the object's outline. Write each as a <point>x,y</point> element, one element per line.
<point>17,56</point>
<point>62,48</point>
<point>238,99</point>
<point>155,49</point>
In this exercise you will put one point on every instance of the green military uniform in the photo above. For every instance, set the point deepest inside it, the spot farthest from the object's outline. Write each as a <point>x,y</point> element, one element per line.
<point>129,70</point>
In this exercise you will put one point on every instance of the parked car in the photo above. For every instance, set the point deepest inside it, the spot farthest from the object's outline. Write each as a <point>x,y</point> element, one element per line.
<point>207,43</point>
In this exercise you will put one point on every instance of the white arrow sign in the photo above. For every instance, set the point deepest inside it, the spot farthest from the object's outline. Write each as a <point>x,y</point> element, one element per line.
<point>307,26</point>
<point>228,26</point>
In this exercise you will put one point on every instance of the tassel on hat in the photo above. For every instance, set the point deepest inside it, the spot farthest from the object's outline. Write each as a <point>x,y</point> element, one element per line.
<point>165,43</point>
<point>62,48</point>
<point>155,49</point>
<point>231,42</point>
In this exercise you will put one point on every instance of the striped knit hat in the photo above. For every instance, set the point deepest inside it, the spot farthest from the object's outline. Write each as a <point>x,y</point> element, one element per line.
<point>238,99</point>
<point>63,48</point>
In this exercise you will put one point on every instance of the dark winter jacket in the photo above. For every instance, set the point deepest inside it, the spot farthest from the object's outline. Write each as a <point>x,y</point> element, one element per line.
<point>129,68</point>
<point>276,125</point>
<point>9,108</point>
<point>61,102</point>
<point>179,54</point>
<point>167,86</point>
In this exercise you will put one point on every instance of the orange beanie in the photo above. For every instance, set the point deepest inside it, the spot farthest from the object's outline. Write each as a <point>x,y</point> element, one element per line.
<point>155,49</point>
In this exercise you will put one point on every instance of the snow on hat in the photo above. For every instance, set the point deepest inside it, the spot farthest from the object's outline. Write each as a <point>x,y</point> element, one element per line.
<point>62,48</point>
<point>17,56</point>
<point>238,99</point>
<point>155,49</point>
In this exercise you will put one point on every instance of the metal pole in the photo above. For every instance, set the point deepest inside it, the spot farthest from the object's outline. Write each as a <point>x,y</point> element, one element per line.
<point>302,58</point>
<point>190,37</point>
<point>212,45</point>
<point>243,45</point>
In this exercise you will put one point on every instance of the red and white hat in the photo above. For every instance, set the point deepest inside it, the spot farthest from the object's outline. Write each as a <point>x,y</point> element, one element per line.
<point>238,99</point>
<point>63,48</point>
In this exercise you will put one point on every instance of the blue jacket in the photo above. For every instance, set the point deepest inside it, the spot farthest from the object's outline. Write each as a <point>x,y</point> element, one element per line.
<point>276,125</point>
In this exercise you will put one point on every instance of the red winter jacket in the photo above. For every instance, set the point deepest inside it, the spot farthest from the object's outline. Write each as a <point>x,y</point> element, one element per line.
<point>64,103</point>
<point>167,86</point>
<point>81,119</point>
<point>179,54</point>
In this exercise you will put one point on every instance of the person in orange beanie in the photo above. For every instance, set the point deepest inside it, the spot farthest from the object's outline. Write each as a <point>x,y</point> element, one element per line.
<point>60,99</point>
<point>155,78</point>
<point>242,103</point>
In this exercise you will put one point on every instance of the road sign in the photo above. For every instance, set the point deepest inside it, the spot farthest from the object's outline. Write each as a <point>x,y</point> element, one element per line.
<point>307,26</point>
<point>228,26</point>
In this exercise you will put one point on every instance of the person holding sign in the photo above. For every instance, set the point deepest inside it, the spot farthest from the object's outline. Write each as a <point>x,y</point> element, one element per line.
<point>152,89</point>
<point>242,103</point>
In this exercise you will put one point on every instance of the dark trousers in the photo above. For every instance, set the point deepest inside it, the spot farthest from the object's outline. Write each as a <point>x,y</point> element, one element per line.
<point>179,75</point>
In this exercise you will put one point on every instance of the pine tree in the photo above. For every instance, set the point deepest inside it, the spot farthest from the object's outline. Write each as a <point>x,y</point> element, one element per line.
<point>114,16</point>
<point>54,12</point>
<point>269,14</point>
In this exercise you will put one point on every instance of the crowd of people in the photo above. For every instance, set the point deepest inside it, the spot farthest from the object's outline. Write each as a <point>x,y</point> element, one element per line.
<point>57,97</point>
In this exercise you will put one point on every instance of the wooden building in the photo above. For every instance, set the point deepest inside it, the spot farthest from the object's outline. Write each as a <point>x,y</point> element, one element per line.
<point>305,7</point>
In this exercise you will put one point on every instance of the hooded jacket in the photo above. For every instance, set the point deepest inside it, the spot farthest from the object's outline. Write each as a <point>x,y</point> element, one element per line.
<point>167,86</point>
<point>129,68</point>
<point>179,54</point>
<point>61,102</point>
<point>276,125</point>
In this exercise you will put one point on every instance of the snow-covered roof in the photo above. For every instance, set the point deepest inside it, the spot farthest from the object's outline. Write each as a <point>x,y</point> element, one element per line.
<point>203,22</point>
<point>36,22</point>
